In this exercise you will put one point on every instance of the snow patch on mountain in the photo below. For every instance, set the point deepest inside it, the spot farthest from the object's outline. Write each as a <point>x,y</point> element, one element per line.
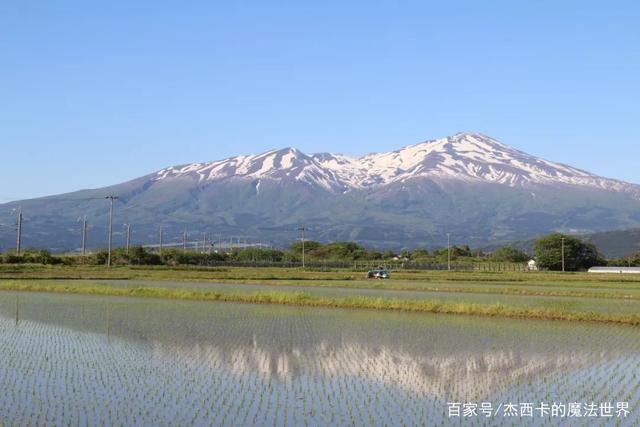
<point>464,156</point>
<point>288,163</point>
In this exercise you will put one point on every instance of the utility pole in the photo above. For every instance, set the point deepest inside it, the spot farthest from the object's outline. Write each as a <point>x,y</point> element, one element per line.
<point>449,251</point>
<point>128,237</point>
<point>160,240</point>
<point>19,236</point>
<point>303,229</point>
<point>111,198</point>
<point>127,242</point>
<point>204,241</point>
<point>562,239</point>
<point>184,241</point>
<point>84,236</point>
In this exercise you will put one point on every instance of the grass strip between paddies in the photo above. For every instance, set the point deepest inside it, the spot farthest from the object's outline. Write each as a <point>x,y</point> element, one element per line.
<point>499,289</point>
<point>304,299</point>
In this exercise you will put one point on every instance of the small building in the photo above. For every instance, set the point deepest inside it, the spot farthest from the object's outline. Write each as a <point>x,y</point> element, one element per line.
<point>532,265</point>
<point>615,270</point>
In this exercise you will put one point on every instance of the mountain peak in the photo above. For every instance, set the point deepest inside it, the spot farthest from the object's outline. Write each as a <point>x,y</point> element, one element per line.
<point>471,135</point>
<point>402,197</point>
<point>282,164</point>
<point>467,156</point>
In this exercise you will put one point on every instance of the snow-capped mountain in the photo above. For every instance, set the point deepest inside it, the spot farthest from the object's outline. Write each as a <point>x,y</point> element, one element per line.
<point>475,157</point>
<point>464,156</point>
<point>287,163</point>
<point>470,185</point>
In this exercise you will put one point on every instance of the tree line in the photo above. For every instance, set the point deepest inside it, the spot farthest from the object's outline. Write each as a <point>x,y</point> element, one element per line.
<point>548,252</point>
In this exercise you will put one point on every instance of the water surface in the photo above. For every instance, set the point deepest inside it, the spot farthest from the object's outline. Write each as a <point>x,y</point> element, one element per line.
<point>70,359</point>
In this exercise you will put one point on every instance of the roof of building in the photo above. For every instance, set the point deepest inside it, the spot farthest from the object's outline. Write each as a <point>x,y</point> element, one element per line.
<point>614,270</point>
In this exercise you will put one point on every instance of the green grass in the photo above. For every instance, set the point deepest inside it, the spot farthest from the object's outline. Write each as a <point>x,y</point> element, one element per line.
<point>591,290</point>
<point>564,310</point>
<point>543,295</point>
<point>503,283</point>
<point>10,271</point>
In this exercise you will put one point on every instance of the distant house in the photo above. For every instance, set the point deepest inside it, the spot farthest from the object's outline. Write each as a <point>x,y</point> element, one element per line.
<point>532,265</point>
<point>615,270</point>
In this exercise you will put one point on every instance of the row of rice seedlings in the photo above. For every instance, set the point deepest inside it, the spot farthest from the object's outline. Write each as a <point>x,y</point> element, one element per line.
<point>295,367</point>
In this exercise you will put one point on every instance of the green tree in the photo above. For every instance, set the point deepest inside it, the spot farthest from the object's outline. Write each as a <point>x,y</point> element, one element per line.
<point>509,254</point>
<point>420,254</point>
<point>339,251</point>
<point>578,255</point>
<point>39,256</point>
<point>461,251</point>
<point>456,252</point>
<point>632,260</point>
<point>259,255</point>
<point>373,254</point>
<point>309,245</point>
<point>138,255</point>
<point>388,254</point>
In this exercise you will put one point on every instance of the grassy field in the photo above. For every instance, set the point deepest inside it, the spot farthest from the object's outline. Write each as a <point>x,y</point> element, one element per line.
<point>543,295</point>
<point>37,271</point>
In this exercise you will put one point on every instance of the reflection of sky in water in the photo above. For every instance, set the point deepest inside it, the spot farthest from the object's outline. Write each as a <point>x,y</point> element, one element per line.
<point>153,362</point>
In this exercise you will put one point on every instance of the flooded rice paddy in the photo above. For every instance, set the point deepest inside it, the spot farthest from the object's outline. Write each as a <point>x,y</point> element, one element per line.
<point>76,360</point>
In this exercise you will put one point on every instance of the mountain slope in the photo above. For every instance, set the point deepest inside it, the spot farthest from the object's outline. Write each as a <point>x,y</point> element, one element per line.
<point>470,157</point>
<point>481,158</point>
<point>470,185</point>
<point>288,163</point>
<point>617,244</point>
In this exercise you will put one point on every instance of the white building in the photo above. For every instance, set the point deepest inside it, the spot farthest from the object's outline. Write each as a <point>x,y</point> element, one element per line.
<point>615,270</point>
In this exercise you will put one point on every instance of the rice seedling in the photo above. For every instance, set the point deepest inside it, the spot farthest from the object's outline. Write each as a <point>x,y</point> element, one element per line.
<point>172,362</point>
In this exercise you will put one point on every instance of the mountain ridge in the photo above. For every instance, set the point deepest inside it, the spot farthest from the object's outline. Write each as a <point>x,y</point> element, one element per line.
<point>472,156</point>
<point>469,185</point>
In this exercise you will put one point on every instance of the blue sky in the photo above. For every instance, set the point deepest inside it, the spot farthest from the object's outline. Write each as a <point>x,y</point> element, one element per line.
<point>95,93</point>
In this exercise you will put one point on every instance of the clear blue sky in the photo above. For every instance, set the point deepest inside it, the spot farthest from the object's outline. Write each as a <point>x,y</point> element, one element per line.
<point>95,93</point>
